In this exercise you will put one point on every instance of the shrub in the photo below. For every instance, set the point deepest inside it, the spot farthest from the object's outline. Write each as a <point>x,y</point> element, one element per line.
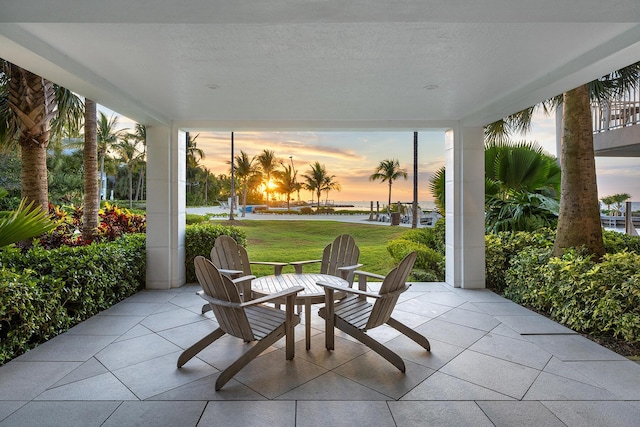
<point>501,247</point>
<point>194,219</point>
<point>58,288</point>
<point>199,240</point>
<point>617,242</point>
<point>596,298</point>
<point>428,260</point>
<point>31,311</point>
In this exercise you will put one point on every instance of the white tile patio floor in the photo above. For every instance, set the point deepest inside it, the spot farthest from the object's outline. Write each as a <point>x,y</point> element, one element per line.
<point>492,363</point>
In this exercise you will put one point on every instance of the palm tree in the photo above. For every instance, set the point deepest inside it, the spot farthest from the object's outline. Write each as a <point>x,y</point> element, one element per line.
<point>90,219</point>
<point>140,135</point>
<point>330,184</point>
<point>107,135</point>
<point>268,164</point>
<point>286,182</point>
<point>31,109</point>
<point>579,221</point>
<point>194,155</point>
<point>23,223</point>
<point>522,185</point>
<point>245,169</point>
<point>389,170</point>
<point>130,156</point>
<point>315,180</point>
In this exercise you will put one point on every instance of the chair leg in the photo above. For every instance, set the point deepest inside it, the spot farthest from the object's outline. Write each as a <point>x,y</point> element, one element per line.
<point>205,308</point>
<point>371,343</point>
<point>247,357</point>
<point>401,327</point>
<point>196,348</point>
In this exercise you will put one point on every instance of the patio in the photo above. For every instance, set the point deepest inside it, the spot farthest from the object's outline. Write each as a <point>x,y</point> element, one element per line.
<point>492,363</point>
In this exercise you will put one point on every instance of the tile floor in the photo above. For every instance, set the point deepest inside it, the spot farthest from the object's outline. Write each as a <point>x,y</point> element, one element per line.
<point>492,363</point>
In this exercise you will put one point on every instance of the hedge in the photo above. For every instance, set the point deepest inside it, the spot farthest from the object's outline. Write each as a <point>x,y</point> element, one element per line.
<point>601,299</point>
<point>44,292</point>
<point>199,240</point>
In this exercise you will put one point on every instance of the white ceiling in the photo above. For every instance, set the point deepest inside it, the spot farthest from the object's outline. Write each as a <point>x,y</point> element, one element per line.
<point>312,64</point>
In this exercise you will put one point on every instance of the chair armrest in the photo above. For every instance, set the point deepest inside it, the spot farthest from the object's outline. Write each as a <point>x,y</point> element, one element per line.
<point>281,294</point>
<point>277,266</point>
<point>230,273</point>
<point>243,279</point>
<point>363,293</point>
<point>367,274</point>
<point>289,291</point>
<point>348,290</point>
<point>350,268</point>
<point>298,264</point>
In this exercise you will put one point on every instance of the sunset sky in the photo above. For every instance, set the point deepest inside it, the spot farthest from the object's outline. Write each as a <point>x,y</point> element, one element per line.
<point>353,156</point>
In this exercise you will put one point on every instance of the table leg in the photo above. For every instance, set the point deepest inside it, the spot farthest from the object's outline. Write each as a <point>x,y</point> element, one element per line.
<point>307,323</point>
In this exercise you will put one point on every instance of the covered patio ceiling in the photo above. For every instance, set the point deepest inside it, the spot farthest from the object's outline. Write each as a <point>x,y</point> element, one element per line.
<point>319,65</point>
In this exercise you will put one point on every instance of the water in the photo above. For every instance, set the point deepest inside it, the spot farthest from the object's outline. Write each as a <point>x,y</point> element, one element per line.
<point>361,205</point>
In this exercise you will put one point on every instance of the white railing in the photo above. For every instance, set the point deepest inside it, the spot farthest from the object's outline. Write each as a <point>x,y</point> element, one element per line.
<point>618,112</point>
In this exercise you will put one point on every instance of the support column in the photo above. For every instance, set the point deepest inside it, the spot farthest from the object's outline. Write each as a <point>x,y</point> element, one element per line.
<point>464,198</point>
<point>166,213</point>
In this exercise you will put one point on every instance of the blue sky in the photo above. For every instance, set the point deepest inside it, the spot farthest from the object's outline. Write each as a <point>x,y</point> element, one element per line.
<point>353,156</point>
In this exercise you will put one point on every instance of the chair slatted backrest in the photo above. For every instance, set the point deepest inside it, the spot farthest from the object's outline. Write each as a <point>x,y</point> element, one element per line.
<point>227,254</point>
<point>341,253</point>
<point>232,320</point>
<point>394,281</point>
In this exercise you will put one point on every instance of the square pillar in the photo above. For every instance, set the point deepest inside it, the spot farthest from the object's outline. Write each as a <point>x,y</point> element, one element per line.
<point>166,211</point>
<point>464,199</point>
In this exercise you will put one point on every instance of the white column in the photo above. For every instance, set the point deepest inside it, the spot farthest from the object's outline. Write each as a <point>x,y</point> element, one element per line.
<point>166,157</point>
<point>464,198</point>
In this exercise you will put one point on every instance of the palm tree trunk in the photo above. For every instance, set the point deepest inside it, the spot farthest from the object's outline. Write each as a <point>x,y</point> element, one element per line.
<point>34,175</point>
<point>244,199</point>
<point>389,203</point>
<point>579,217</point>
<point>130,188</point>
<point>90,219</point>
<point>32,100</point>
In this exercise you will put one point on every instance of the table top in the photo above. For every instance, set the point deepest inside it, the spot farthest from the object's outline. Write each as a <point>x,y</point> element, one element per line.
<point>271,284</point>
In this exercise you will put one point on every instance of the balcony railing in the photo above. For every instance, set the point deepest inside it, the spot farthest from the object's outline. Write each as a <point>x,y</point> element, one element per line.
<point>617,112</point>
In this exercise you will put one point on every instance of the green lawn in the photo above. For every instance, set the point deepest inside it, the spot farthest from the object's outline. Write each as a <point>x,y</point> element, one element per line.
<point>287,241</point>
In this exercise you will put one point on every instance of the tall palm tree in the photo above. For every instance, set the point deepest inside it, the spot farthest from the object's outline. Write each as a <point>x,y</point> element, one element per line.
<point>130,157</point>
<point>245,169</point>
<point>107,135</point>
<point>90,219</point>
<point>330,184</point>
<point>194,155</point>
<point>579,221</point>
<point>268,164</point>
<point>140,135</point>
<point>389,170</point>
<point>286,182</point>
<point>31,109</point>
<point>315,180</point>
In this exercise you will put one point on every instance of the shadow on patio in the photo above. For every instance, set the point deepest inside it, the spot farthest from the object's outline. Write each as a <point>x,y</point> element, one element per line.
<point>492,363</point>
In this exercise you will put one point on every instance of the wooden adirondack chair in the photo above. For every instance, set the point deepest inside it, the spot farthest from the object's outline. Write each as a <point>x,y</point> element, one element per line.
<point>232,260</point>
<point>249,320</point>
<point>354,315</point>
<point>339,258</point>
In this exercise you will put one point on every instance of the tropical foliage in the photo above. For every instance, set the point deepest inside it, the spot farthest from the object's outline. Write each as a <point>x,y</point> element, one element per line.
<point>24,223</point>
<point>522,186</point>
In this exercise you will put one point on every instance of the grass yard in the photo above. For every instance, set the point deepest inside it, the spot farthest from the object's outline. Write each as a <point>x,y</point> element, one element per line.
<point>286,241</point>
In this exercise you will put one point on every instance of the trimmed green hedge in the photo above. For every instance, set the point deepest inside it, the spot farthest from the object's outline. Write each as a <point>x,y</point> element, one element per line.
<point>596,298</point>
<point>601,299</point>
<point>44,292</point>
<point>429,266</point>
<point>199,240</point>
